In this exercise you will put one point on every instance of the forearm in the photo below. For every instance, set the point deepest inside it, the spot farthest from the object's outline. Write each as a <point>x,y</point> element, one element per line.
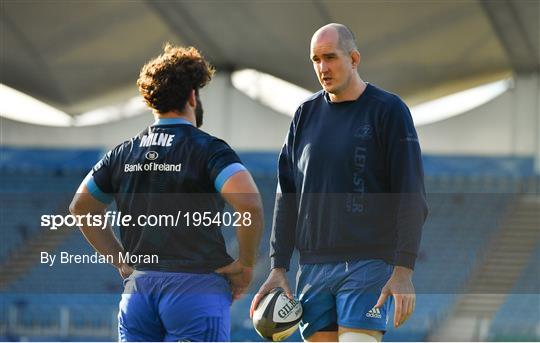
<point>242,194</point>
<point>410,220</point>
<point>411,208</point>
<point>249,236</point>
<point>103,241</point>
<point>406,182</point>
<point>280,255</point>
<point>283,231</point>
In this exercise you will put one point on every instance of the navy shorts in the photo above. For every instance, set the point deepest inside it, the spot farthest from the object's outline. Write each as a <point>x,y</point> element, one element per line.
<point>343,293</point>
<point>165,306</point>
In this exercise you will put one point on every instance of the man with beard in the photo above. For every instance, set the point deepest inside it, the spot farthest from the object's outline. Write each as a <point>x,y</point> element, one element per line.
<point>173,168</point>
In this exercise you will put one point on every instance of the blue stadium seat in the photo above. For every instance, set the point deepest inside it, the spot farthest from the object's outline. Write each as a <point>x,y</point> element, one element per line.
<point>519,316</point>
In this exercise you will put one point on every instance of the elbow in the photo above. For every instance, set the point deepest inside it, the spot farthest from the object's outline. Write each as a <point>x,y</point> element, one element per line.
<point>247,203</point>
<point>255,203</point>
<point>256,206</point>
<point>256,210</point>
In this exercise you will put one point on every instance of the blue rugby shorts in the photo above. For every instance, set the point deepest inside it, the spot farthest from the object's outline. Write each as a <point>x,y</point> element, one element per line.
<point>167,306</point>
<point>343,293</point>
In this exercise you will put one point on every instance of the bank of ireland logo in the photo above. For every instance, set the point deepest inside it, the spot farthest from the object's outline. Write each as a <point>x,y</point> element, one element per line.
<point>151,155</point>
<point>364,132</point>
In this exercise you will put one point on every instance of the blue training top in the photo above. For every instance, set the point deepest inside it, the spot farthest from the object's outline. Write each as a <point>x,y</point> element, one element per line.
<point>169,167</point>
<point>350,183</point>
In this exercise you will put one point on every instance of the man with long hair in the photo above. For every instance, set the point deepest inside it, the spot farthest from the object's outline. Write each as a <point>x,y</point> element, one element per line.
<point>179,279</point>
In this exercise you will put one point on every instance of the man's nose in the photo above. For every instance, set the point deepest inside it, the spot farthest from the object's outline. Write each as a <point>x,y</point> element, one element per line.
<point>323,67</point>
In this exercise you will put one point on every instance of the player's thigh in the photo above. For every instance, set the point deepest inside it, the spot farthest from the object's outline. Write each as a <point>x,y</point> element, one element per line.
<point>318,302</point>
<point>323,336</point>
<point>358,335</point>
<point>197,309</point>
<point>358,294</point>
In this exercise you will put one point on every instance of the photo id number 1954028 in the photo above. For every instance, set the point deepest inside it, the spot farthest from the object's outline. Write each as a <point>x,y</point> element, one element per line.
<point>208,219</point>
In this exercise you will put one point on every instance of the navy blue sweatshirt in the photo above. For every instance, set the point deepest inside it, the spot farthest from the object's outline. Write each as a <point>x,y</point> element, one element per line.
<point>350,183</point>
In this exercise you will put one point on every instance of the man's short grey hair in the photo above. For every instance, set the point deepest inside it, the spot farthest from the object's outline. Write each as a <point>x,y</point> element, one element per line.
<point>347,42</point>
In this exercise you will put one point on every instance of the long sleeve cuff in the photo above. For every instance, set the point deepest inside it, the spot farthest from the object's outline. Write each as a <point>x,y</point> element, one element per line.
<point>277,262</point>
<point>405,259</point>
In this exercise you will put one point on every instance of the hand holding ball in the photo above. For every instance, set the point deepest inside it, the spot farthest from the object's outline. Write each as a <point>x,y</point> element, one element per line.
<point>277,317</point>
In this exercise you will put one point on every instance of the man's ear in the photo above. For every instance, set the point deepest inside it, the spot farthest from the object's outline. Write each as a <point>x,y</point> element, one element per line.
<point>355,58</point>
<point>192,99</point>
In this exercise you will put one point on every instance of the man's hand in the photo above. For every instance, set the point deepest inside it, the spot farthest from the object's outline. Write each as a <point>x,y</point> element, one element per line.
<point>125,270</point>
<point>276,279</point>
<point>400,286</point>
<point>239,276</point>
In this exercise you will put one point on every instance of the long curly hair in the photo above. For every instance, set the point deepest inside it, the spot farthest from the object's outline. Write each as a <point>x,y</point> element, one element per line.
<point>166,81</point>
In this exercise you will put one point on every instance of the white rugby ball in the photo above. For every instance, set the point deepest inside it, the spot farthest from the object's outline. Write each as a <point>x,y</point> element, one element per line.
<point>276,316</point>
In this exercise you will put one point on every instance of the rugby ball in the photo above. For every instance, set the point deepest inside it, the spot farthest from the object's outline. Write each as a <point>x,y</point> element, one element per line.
<point>276,316</point>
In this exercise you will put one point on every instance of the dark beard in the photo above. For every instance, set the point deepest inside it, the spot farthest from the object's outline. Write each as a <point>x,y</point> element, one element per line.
<point>198,113</point>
